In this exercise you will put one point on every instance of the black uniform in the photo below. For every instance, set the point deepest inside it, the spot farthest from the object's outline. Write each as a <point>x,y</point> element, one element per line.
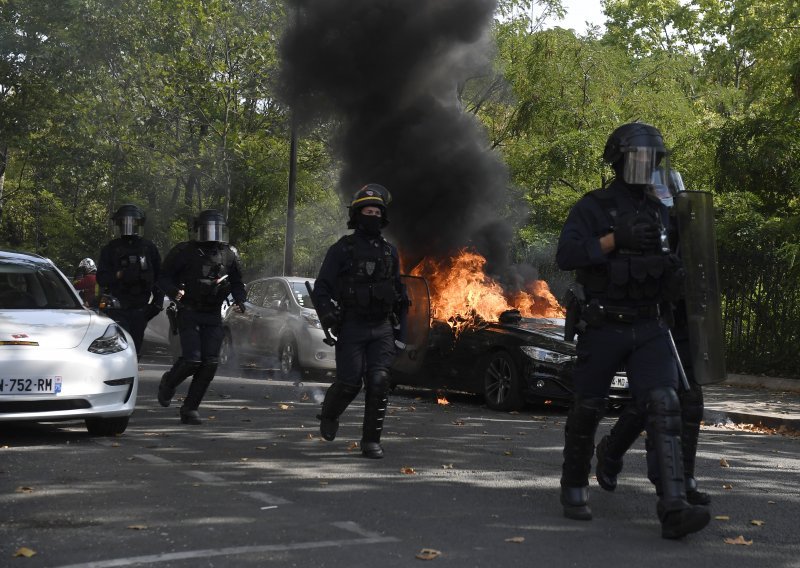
<point>207,272</point>
<point>622,328</point>
<point>359,292</point>
<point>128,270</point>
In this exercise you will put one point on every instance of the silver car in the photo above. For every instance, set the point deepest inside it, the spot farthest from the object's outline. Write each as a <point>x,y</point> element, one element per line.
<point>281,325</point>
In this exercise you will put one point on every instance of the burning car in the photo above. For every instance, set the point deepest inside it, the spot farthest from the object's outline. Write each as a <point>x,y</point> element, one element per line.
<point>510,360</point>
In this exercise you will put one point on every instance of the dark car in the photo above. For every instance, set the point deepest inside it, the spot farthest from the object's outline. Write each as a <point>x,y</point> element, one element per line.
<point>510,362</point>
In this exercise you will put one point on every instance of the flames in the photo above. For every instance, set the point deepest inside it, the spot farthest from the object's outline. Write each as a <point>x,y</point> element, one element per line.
<point>463,295</point>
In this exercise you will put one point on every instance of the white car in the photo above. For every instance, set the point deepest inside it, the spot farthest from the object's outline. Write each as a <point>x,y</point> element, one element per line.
<point>58,359</point>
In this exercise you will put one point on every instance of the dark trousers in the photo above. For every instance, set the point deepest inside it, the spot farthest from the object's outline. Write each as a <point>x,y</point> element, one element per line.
<point>134,321</point>
<point>201,334</point>
<point>363,347</point>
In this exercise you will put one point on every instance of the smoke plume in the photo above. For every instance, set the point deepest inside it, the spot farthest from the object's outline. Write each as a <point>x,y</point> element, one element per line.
<point>388,72</point>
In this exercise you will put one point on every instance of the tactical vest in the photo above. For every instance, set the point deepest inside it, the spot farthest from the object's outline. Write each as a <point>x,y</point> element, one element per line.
<point>131,257</point>
<point>631,277</point>
<point>205,278</point>
<point>367,283</point>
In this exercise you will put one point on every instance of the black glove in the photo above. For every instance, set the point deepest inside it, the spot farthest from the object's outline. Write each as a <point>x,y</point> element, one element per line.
<point>151,311</point>
<point>240,305</point>
<point>636,233</point>
<point>329,321</point>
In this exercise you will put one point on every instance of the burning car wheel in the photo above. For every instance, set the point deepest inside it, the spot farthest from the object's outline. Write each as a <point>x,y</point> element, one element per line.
<point>502,388</point>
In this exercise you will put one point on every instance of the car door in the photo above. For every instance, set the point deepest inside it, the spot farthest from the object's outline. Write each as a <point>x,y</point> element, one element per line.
<point>272,316</point>
<point>241,325</point>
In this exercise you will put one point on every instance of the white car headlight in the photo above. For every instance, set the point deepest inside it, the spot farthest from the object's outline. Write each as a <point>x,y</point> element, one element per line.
<point>545,355</point>
<point>312,320</point>
<point>112,341</point>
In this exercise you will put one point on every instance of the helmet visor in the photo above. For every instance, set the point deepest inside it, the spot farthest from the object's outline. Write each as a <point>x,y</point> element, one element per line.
<point>128,225</point>
<point>666,184</point>
<point>212,231</point>
<point>640,163</point>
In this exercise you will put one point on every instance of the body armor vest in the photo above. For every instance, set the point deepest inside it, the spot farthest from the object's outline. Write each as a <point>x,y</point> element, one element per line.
<point>131,257</point>
<point>367,283</point>
<point>206,277</point>
<point>636,277</point>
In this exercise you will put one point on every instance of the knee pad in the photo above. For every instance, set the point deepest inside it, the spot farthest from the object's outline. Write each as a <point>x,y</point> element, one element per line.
<point>377,378</point>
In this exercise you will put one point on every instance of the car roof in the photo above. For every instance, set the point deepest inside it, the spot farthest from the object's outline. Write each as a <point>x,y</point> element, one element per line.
<point>292,279</point>
<point>18,257</point>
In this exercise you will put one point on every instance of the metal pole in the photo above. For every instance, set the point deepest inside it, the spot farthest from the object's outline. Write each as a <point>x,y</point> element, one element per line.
<point>288,250</point>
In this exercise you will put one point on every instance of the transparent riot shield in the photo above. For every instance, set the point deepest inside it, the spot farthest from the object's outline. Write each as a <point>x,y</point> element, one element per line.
<point>698,249</point>
<point>418,325</point>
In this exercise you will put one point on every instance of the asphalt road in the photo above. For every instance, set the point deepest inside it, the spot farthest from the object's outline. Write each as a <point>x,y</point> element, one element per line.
<point>255,485</point>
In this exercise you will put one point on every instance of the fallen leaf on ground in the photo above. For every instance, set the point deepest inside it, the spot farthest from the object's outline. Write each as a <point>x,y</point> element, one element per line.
<point>727,486</point>
<point>738,540</point>
<point>24,551</point>
<point>353,446</point>
<point>516,539</point>
<point>261,447</point>
<point>724,463</point>
<point>757,523</point>
<point>408,470</point>
<point>722,518</point>
<point>304,397</point>
<point>24,489</point>
<point>428,554</point>
<point>508,453</point>
<point>284,406</point>
<point>138,527</point>
<point>458,422</point>
<point>447,466</point>
<point>772,502</point>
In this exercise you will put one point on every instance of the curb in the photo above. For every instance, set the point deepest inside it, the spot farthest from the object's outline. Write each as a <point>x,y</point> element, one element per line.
<point>715,417</point>
<point>761,382</point>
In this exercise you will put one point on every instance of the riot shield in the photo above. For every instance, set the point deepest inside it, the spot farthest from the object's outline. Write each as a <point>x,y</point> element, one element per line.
<point>698,249</point>
<point>418,326</point>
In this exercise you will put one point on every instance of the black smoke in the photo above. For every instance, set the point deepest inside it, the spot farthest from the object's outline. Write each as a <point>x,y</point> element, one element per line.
<point>388,72</point>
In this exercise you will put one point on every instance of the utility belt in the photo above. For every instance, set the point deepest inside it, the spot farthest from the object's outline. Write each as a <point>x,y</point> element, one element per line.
<point>595,313</point>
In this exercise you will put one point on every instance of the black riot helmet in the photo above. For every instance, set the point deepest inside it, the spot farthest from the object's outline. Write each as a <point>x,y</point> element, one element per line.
<point>210,226</point>
<point>129,220</point>
<point>635,150</point>
<point>374,195</point>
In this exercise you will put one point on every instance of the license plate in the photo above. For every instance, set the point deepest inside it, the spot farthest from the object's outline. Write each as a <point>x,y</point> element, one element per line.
<point>619,383</point>
<point>31,385</point>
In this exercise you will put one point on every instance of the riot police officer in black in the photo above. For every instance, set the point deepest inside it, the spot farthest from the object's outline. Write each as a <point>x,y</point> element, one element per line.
<point>198,275</point>
<point>616,240</point>
<point>128,270</point>
<point>359,296</point>
<point>612,447</point>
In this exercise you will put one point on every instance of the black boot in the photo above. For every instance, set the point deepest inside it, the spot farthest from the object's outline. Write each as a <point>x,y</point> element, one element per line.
<point>337,399</point>
<point>173,378</point>
<point>678,518</point>
<point>612,447</point>
<point>375,402</point>
<point>582,421</point>
<point>197,390</point>
<point>691,415</point>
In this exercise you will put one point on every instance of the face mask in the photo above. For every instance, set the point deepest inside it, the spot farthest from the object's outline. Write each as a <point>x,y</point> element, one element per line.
<point>370,224</point>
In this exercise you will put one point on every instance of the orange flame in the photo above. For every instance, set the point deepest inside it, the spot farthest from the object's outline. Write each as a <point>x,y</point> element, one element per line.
<point>463,295</point>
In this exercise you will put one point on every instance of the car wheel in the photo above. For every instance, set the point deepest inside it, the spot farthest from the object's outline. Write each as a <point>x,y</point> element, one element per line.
<point>226,354</point>
<point>107,426</point>
<point>287,356</point>
<point>502,387</point>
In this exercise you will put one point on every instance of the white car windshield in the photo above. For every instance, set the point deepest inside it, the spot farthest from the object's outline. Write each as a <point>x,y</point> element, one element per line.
<point>31,287</point>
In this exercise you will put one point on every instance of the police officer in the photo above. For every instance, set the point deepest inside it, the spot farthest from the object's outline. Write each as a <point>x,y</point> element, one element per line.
<point>359,295</point>
<point>128,270</point>
<point>198,275</point>
<point>613,446</point>
<point>616,241</point>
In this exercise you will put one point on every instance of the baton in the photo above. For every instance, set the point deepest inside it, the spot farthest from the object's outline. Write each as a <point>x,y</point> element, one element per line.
<point>681,371</point>
<point>328,339</point>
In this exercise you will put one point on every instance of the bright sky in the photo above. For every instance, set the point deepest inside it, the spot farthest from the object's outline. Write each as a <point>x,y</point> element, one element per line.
<point>578,12</point>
